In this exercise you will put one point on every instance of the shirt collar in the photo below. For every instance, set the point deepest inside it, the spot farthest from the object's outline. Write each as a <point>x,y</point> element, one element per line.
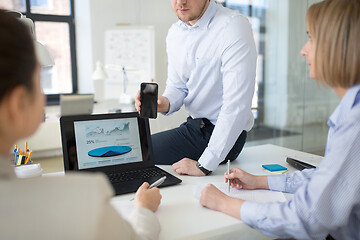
<point>205,19</point>
<point>350,99</point>
<point>6,171</point>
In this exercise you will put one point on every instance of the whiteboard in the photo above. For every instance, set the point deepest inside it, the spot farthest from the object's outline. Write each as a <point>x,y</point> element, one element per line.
<point>131,48</point>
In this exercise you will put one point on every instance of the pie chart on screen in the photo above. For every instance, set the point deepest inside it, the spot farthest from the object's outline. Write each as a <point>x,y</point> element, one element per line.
<point>109,151</point>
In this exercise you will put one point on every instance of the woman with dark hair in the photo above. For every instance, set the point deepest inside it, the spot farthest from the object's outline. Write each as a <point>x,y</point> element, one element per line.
<point>326,199</point>
<point>71,207</point>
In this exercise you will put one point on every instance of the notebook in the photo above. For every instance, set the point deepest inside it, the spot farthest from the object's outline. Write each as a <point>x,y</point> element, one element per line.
<point>118,145</point>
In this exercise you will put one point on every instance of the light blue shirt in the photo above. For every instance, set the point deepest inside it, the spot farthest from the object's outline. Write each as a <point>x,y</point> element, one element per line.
<point>326,199</point>
<point>211,70</point>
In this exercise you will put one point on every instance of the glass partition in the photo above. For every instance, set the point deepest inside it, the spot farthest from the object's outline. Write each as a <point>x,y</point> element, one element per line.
<point>291,110</point>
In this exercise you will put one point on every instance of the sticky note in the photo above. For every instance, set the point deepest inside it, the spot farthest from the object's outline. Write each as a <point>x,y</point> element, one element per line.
<point>274,167</point>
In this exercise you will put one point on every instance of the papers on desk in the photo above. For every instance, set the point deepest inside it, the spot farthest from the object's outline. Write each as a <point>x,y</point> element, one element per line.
<point>123,207</point>
<point>248,195</point>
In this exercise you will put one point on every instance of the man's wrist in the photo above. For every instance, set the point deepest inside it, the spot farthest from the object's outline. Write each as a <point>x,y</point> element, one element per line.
<point>204,170</point>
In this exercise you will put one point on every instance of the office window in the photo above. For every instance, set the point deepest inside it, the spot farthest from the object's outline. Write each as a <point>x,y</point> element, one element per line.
<point>55,28</point>
<point>55,7</point>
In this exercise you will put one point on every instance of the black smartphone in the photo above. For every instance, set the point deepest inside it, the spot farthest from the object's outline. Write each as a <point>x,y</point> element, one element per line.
<point>148,99</point>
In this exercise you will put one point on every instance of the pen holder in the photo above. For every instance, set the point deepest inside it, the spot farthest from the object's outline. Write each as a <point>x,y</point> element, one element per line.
<point>28,170</point>
<point>21,159</point>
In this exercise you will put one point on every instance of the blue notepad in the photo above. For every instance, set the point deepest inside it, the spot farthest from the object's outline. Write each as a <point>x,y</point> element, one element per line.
<point>274,167</point>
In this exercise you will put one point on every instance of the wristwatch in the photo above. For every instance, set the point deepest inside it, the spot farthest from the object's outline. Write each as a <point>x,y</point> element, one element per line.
<point>204,170</point>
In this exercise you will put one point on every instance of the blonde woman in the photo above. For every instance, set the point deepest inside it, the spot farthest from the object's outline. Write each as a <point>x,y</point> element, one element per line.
<point>71,207</point>
<point>326,200</point>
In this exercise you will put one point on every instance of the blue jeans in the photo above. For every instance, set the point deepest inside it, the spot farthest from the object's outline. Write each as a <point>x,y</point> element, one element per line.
<point>189,140</point>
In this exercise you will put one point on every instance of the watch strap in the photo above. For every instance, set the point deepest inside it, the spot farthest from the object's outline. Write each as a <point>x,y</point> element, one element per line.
<point>204,170</point>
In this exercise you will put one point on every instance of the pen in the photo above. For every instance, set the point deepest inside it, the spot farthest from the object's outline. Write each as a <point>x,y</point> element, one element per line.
<point>158,182</point>
<point>25,149</point>
<point>28,158</point>
<point>228,172</point>
<point>155,184</point>
<point>16,151</point>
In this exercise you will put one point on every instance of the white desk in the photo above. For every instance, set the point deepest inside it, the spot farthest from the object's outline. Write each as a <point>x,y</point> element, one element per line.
<point>182,217</point>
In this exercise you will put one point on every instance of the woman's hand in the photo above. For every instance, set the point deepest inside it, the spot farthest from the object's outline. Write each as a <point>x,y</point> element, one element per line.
<point>213,198</point>
<point>147,198</point>
<point>240,179</point>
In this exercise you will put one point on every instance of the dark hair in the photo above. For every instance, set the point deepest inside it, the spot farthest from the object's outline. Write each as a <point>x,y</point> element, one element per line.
<point>17,54</point>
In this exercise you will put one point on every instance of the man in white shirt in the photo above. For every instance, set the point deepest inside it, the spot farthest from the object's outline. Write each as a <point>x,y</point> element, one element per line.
<point>211,70</point>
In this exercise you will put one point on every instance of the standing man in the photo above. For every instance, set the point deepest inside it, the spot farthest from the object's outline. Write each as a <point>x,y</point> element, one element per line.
<point>211,70</point>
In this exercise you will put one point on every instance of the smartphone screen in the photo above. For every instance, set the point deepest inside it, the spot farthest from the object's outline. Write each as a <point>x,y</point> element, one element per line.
<point>148,99</point>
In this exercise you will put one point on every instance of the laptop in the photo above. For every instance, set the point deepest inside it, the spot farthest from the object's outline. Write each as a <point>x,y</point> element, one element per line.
<point>76,104</point>
<point>117,144</point>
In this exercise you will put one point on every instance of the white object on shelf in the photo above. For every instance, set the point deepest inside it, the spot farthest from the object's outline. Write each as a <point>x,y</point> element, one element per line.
<point>98,78</point>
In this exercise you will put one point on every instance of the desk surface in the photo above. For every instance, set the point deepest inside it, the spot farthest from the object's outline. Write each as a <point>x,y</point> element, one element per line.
<point>182,217</point>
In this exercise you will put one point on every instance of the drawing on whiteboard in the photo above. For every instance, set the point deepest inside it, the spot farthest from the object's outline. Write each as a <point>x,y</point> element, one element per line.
<point>129,59</point>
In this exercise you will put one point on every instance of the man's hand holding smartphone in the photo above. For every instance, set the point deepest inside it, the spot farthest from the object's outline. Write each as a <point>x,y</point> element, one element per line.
<point>163,104</point>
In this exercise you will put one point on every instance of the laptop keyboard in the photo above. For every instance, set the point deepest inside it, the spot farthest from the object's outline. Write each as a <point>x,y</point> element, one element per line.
<point>134,174</point>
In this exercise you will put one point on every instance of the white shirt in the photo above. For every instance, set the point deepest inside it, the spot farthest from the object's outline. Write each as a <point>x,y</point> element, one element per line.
<point>75,206</point>
<point>211,70</point>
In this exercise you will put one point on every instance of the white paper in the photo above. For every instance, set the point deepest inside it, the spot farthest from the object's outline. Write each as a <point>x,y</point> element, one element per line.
<point>257,195</point>
<point>123,207</point>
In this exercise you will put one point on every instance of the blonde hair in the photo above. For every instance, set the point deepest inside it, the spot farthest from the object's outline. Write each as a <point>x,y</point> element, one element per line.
<point>334,26</point>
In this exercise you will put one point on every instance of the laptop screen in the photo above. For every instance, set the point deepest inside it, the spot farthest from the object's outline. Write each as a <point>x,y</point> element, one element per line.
<point>106,141</point>
<point>109,142</point>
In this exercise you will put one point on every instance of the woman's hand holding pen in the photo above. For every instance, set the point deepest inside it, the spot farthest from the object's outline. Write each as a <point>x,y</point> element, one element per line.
<point>213,198</point>
<point>147,197</point>
<point>240,179</point>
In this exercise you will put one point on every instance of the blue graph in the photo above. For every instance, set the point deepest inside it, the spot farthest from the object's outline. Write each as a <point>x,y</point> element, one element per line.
<point>109,151</point>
